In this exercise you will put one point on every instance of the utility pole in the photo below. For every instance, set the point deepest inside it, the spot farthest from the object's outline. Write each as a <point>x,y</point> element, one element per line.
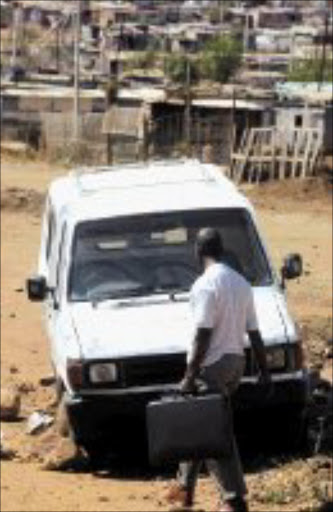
<point>16,20</point>
<point>57,44</point>
<point>188,107</point>
<point>232,133</point>
<point>323,54</point>
<point>246,34</point>
<point>221,8</point>
<point>76,111</point>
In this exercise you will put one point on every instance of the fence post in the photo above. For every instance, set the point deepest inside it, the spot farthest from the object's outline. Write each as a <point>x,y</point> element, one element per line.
<point>208,153</point>
<point>145,141</point>
<point>109,149</point>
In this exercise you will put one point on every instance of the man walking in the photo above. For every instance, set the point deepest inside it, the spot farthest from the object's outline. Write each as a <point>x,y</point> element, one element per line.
<point>223,310</point>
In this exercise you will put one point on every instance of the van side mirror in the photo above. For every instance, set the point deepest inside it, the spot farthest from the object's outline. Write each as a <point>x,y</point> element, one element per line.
<point>292,267</point>
<point>37,288</point>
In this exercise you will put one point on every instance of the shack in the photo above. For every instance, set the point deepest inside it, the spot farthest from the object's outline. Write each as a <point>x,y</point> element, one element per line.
<point>152,121</point>
<point>29,112</point>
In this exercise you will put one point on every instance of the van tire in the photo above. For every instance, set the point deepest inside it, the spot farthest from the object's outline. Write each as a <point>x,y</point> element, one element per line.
<point>62,423</point>
<point>59,390</point>
<point>296,431</point>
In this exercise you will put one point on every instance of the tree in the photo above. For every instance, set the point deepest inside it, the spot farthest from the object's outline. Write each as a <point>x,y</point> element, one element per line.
<point>177,70</point>
<point>221,57</point>
<point>147,60</point>
<point>309,70</point>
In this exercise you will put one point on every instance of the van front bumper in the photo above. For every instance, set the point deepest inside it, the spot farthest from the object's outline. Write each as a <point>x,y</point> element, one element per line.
<point>97,413</point>
<point>289,389</point>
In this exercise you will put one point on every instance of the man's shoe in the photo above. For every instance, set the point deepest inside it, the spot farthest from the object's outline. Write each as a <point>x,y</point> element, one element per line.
<point>180,495</point>
<point>235,505</point>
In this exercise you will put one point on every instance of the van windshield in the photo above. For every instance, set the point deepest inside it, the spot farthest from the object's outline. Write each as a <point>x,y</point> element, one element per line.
<point>144,254</point>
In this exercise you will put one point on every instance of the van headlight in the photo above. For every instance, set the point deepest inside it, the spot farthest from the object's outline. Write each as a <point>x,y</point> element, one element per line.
<point>276,358</point>
<point>103,372</point>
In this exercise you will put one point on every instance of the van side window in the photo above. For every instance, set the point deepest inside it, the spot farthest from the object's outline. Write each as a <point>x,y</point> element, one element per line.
<point>51,225</point>
<point>61,261</point>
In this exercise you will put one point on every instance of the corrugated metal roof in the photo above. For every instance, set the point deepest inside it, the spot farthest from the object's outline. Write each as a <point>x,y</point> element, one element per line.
<point>146,94</point>
<point>228,104</point>
<point>52,92</point>
<point>308,91</point>
<point>55,5</point>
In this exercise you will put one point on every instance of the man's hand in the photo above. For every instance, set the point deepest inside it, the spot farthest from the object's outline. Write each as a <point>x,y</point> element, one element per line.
<point>187,385</point>
<point>265,379</point>
<point>260,354</point>
<point>201,344</point>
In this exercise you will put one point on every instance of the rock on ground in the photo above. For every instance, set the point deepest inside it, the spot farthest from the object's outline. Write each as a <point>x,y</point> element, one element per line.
<point>10,404</point>
<point>6,453</point>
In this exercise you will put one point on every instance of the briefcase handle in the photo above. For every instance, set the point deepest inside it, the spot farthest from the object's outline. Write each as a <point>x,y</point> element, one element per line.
<point>200,389</point>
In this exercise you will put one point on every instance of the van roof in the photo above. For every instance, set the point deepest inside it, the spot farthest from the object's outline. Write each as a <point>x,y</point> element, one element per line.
<point>147,187</point>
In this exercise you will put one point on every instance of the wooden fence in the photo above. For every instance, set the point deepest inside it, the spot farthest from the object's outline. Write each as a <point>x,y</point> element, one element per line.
<point>268,153</point>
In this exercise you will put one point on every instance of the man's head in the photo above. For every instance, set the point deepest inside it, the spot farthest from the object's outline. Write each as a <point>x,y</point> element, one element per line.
<point>209,245</point>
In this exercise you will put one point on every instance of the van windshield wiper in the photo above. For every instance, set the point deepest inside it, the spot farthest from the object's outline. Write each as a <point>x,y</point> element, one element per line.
<point>136,291</point>
<point>171,289</point>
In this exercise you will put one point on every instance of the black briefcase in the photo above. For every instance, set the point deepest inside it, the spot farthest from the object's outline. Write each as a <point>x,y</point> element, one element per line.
<point>188,427</point>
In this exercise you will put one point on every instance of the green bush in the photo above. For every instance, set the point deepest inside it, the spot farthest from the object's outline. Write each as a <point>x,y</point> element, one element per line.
<point>221,58</point>
<point>176,69</point>
<point>309,70</point>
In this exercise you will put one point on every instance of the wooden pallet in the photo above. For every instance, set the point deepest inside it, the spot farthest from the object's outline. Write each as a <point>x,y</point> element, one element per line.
<point>267,153</point>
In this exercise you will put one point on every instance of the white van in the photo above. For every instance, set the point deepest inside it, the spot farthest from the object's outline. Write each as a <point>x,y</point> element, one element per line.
<point>115,267</point>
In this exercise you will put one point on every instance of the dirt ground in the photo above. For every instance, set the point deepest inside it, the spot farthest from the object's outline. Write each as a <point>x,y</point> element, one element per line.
<point>294,217</point>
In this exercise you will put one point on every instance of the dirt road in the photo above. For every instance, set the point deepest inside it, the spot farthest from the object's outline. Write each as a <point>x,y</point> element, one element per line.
<point>294,218</point>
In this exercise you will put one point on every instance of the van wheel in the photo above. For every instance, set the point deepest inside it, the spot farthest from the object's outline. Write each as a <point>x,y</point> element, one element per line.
<point>296,431</point>
<point>62,423</point>
<point>96,456</point>
<point>59,389</point>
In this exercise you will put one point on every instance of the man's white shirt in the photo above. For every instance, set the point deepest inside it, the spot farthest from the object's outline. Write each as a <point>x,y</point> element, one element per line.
<point>222,300</point>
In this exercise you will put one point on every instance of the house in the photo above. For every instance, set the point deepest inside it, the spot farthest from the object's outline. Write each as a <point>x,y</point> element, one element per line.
<point>266,62</point>
<point>107,13</point>
<point>126,123</point>
<point>305,105</point>
<point>133,37</point>
<point>191,11</point>
<point>277,17</point>
<point>328,130</point>
<point>273,41</point>
<point>259,78</point>
<point>215,122</point>
<point>292,114</point>
<point>190,37</point>
<point>112,63</point>
<point>315,14</point>
<point>219,123</point>
<point>238,16</point>
<point>25,109</point>
<point>6,14</point>
<point>42,12</point>
<point>307,92</point>
<point>150,120</point>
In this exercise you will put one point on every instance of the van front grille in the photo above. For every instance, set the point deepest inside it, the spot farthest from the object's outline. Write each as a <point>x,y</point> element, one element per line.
<point>145,371</point>
<point>161,369</point>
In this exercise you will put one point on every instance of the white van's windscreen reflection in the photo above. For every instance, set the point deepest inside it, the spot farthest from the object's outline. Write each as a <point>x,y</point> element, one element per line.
<point>151,254</point>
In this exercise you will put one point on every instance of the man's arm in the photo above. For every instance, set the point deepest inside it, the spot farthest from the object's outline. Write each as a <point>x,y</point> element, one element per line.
<point>260,354</point>
<point>200,346</point>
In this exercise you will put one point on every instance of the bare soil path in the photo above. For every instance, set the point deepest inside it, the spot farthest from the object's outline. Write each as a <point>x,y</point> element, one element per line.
<point>294,217</point>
